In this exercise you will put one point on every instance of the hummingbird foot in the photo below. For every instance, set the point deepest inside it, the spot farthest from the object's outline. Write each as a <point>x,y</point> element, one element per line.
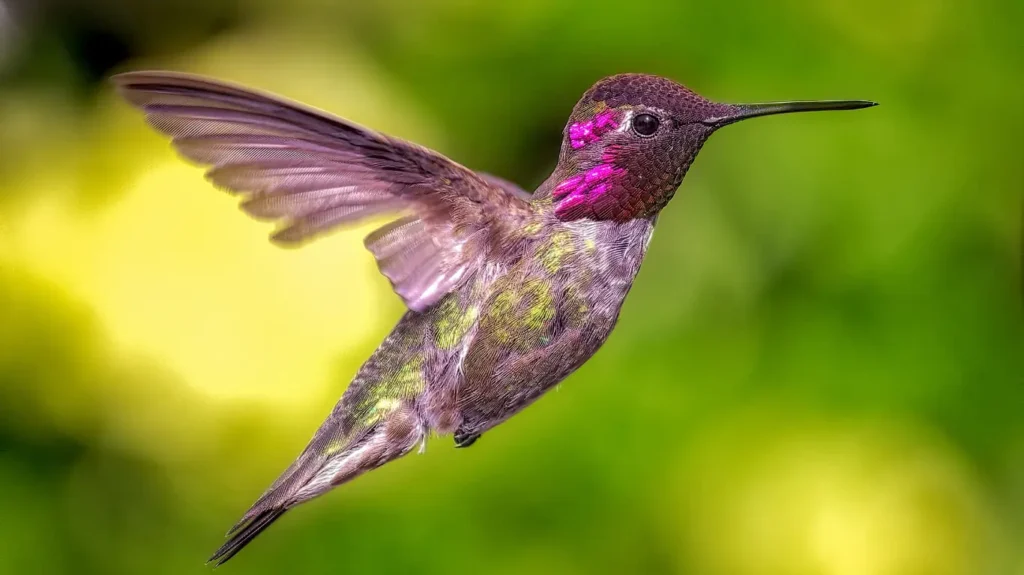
<point>463,439</point>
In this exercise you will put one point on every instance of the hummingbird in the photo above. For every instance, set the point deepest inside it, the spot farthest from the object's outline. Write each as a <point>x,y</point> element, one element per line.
<point>507,292</point>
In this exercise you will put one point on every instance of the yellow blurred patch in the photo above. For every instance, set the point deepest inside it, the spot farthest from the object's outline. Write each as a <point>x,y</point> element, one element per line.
<point>176,272</point>
<point>765,495</point>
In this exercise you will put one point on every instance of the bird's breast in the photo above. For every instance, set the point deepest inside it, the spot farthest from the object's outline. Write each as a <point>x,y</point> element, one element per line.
<point>521,325</point>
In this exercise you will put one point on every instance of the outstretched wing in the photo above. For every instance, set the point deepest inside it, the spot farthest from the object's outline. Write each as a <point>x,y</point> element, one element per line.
<point>313,172</point>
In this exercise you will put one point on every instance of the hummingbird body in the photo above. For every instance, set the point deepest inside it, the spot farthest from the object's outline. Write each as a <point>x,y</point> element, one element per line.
<point>508,292</point>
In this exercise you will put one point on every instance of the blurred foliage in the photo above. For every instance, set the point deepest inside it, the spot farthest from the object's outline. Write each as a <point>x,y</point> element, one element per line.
<point>820,370</point>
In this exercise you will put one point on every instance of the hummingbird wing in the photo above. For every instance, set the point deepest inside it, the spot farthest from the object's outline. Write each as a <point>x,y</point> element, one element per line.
<point>313,172</point>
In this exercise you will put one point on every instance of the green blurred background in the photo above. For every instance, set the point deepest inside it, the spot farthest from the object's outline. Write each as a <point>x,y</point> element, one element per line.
<point>819,371</point>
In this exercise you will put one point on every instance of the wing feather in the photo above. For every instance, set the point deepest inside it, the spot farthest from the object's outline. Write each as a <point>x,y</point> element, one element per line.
<point>313,172</point>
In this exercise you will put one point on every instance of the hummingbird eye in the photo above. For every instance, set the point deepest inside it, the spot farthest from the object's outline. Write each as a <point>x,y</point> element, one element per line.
<point>645,125</point>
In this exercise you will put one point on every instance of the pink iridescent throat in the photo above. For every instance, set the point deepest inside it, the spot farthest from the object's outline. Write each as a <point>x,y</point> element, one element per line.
<point>580,194</point>
<point>585,189</point>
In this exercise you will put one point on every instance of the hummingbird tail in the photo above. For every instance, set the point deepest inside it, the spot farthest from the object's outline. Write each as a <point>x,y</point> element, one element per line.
<point>327,463</point>
<point>242,534</point>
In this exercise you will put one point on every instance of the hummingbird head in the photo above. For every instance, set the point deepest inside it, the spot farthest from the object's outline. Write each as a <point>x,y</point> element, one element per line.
<point>631,138</point>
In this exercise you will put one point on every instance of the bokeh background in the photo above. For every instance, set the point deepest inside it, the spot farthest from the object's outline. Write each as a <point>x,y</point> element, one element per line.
<point>819,371</point>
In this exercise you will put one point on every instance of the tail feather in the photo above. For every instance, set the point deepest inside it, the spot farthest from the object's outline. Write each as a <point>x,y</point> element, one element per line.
<point>242,534</point>
<point>325,464</point>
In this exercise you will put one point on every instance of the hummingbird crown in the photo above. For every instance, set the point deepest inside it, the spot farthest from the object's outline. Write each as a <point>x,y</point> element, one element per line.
<point>632,137</point>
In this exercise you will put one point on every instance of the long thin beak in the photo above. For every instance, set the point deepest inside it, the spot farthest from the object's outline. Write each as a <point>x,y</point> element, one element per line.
<point>737,112</point>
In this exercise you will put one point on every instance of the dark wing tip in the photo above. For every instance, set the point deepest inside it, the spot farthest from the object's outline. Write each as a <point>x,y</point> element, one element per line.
<point>141,88</point>
<point>139,79</point>
<point>199,85</point>
<point>243,533</point>
<point>152,77</point>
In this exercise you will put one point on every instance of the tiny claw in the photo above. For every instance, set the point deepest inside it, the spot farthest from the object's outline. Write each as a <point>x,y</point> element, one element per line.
<point>465,439</point>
